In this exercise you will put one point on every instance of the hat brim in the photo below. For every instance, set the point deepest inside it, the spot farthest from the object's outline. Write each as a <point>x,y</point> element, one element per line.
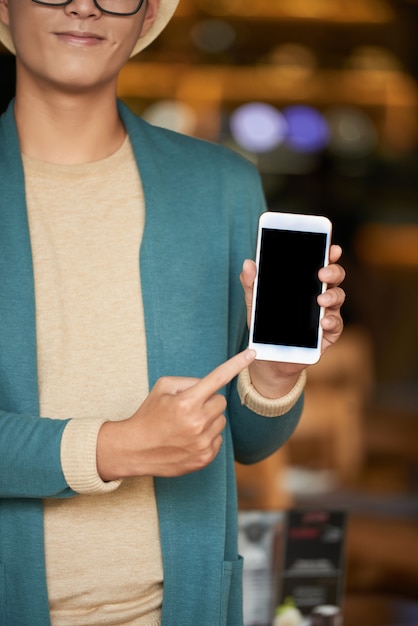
<point>165,13</point>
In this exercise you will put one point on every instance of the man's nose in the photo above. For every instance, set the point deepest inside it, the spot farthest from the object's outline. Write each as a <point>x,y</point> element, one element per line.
<point>83,8</point>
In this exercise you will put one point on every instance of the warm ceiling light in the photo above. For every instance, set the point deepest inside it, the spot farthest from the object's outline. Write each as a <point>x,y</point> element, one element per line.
<point>374,11</point>
<point>350,11</point>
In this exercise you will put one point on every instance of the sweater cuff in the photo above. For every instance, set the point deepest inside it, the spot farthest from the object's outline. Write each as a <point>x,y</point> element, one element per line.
<point>79,457</point>
<point>267,407</point>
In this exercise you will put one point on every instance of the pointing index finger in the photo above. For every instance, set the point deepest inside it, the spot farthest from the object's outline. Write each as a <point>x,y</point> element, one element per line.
<point>224,373</point>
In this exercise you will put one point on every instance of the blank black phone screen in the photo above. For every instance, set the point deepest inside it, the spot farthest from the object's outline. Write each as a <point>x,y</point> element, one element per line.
<point>287,312</point>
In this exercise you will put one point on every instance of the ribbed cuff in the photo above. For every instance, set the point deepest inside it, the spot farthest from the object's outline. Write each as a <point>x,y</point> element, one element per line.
<point>78,457</point>
<point>268,407</point>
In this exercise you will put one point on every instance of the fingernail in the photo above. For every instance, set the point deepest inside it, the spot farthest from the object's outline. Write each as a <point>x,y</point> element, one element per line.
<point>250,354</point>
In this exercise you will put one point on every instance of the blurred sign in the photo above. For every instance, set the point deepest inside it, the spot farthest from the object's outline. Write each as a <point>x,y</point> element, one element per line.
<point>311,573</point>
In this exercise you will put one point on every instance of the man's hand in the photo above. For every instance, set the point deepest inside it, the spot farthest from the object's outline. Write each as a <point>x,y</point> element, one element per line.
<point>273,380</point>
<point>177,429</point>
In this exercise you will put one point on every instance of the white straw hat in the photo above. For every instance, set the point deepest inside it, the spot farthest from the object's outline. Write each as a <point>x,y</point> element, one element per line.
<point>165,13</point>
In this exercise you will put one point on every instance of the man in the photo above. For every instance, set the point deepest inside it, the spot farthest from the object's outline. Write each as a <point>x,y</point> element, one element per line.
<point>120,251</point>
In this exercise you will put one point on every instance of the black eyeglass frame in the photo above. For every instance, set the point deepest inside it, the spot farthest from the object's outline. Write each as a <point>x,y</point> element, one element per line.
<point>96,4</point>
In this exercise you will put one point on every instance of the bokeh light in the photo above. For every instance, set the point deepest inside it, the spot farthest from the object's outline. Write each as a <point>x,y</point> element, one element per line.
<point>307,128</point>
<point>352,132</point>
<point>258,127</point>
<point>371,58</point>
<point>293,56</point>
<point>171,114</point>
<point>213,36</point>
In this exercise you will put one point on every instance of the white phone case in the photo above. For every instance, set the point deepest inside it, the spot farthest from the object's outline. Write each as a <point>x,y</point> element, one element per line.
<point>291,248</point>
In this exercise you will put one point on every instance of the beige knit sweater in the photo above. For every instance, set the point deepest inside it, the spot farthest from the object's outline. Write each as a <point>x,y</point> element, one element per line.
<point>102,548</point>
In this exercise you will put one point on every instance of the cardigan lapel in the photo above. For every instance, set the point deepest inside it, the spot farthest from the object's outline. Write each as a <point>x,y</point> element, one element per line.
<point>18,359</point>
<point>180,518</point>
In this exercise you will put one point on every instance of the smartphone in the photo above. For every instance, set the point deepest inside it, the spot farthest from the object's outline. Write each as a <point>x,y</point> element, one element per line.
<point>285,318</point>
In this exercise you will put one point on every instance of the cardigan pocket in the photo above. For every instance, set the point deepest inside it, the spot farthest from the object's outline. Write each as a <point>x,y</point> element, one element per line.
<point>231,600</point>
<point>2,595</point>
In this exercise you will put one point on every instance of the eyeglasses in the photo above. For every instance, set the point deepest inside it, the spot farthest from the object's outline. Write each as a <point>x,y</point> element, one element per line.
<point>114,7</point>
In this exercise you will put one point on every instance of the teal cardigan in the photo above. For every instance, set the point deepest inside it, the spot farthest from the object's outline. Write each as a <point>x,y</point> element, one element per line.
<point>202,205</point>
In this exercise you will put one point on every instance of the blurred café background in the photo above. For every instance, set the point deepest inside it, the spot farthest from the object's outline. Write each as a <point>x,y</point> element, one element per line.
<point>322,96</point>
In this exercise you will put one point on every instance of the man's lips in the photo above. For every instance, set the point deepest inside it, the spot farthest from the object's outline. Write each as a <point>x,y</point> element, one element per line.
<point>79,37</point>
